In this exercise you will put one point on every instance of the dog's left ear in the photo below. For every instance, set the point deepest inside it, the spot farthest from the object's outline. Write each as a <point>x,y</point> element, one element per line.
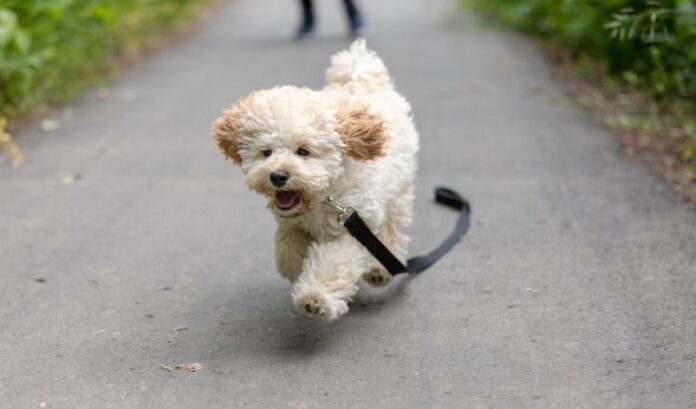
<point>225,130</point>
<point>362,131</point>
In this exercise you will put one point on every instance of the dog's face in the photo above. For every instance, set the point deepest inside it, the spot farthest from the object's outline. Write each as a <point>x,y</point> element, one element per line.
<point>291,143</point>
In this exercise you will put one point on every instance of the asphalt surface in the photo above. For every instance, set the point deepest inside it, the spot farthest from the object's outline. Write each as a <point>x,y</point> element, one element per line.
<point>576,287</point>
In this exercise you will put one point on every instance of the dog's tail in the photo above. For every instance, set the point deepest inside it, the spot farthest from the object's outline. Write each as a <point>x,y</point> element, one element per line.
<point>358,65</point>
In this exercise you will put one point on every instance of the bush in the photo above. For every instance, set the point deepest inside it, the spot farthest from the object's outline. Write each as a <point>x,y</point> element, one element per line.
<point>649,43</point>
<point>51,49</point>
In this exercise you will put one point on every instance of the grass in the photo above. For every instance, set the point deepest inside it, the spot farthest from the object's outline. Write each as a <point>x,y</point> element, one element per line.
<point>51,50</point>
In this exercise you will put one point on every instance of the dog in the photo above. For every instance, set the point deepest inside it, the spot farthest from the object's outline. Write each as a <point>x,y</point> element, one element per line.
<point>354,141</point>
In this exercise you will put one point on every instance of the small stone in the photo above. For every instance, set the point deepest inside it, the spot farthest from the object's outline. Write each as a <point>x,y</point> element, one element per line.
<point>49,125</point>
<point>71,178</point>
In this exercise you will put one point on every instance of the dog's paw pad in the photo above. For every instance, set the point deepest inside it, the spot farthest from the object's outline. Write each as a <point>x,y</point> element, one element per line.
<point>313,307</point>
<point>316,302</point>
<point>377,277</point>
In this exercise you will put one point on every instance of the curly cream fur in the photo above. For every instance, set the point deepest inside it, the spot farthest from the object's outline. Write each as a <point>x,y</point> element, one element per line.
<point>362,146</point>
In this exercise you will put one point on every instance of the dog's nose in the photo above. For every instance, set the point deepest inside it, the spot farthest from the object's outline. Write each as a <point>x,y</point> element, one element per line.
<point>279,178</point>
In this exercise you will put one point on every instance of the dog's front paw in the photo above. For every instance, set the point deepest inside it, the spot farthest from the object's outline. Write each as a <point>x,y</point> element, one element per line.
<point>316,303</point>
<point>377,277</point>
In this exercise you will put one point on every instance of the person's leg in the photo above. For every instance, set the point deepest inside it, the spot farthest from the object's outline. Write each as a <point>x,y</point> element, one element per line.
<point>307,26</point>
<point>354,17</point>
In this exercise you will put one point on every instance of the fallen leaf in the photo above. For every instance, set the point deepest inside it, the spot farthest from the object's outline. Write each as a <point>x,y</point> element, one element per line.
<point>40,280</point>
<point>103,93</point>
<point>192,367</point>
<point>166,367</point>
<point>7,143</point>
<point>49,125</point>
<point>180,328</point>
<point>67,113</point>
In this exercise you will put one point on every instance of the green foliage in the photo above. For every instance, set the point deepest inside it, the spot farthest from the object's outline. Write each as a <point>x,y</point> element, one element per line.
<point>51,49</point>
<point>648,43</point>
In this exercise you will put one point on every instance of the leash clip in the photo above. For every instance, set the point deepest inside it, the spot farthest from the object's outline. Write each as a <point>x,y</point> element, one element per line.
<point>342,211</point>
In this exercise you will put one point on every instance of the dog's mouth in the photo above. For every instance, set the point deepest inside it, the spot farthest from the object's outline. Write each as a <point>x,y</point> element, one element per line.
<point>287,199</point>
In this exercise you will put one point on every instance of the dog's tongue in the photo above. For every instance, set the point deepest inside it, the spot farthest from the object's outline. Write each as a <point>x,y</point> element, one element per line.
<point>285,199</point>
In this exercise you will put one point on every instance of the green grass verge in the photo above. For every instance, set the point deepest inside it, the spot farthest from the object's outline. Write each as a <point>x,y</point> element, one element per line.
<point>640,51</point>
<point>651,43</point>
<point>51,50</point>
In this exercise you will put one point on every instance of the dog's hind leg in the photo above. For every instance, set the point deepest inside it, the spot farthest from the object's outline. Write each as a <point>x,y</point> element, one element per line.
<point>328,278</point>
<point>399,215</point>
<point>290,250</point>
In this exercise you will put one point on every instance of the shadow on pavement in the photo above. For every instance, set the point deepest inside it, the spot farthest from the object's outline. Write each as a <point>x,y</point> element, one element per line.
<point>276,330</point>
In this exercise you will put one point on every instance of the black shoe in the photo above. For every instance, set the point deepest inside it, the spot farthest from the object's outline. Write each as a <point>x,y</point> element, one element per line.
<point>357,26</point>
<point>306,30</point>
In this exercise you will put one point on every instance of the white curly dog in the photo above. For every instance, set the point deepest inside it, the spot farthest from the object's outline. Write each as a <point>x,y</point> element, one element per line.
<point>355,141</point>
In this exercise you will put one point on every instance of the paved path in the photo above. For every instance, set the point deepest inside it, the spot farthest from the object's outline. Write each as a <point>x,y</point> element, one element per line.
<point>576,287</point>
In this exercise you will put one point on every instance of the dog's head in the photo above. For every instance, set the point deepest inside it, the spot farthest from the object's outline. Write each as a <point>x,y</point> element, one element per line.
<point>291,143</point>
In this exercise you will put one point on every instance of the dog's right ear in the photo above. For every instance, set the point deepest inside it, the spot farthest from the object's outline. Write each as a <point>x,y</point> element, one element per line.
<point>226,133</point>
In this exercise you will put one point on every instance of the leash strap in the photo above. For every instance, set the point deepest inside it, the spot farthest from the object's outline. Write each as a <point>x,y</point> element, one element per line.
<point>358,229</point>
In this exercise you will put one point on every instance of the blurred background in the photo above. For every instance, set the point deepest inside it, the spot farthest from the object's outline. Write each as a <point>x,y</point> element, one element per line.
<point>631,61</point>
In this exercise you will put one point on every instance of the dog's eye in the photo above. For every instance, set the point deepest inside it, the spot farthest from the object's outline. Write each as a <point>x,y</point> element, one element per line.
<point>267,152</point>
<point>302,152</point>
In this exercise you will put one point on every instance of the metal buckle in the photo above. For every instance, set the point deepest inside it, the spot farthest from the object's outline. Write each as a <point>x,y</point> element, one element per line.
<point>342,211</point>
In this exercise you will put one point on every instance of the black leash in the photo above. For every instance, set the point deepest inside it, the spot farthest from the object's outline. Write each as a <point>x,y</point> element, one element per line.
<point>358,229</point>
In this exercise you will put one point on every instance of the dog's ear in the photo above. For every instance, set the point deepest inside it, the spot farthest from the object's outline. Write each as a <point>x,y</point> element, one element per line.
<point>362,131</point>
<point>225,130</point>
